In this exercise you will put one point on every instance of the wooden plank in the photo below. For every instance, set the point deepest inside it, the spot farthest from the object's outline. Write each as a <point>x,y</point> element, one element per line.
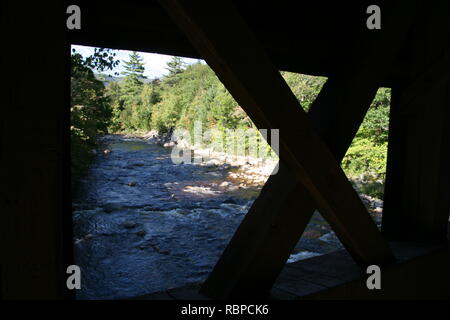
<point>288,218</point>
<point>188,292</point>
<point>400,281</point>
<point>162,295</point>
<point>312,276</point>
<point>295,285</point>
<point>416,203</point>
<point>279,294</point>
<point>335,275</point>
<point>409,250</point>
<point>338,265</point>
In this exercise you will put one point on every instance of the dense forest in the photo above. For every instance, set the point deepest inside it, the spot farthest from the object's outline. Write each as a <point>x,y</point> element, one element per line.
<point>190,93</point>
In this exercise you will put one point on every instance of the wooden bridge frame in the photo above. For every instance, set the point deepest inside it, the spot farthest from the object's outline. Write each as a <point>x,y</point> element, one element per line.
<point>312,144</point>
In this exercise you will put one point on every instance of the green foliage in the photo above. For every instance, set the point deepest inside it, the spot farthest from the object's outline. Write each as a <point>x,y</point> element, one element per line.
<point>102,59</point>
<point>194,93</point>
<point>134,73</point>
<point>305,88</point>
<point>186,95</point>
<point>376,122</point>
<point>131,99</point>
<point>175,67</point>
<point>90,109</point>
<point>365,157</point>
<point>365,161</point>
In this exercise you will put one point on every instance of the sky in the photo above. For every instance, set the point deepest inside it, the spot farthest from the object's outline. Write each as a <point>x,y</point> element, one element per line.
<point>155,64</point>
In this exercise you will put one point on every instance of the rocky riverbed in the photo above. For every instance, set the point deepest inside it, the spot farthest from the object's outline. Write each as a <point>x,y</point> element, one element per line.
<point>144,224</point>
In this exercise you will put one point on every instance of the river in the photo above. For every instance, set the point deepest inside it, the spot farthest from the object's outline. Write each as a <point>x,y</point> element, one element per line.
<point>143,224</point>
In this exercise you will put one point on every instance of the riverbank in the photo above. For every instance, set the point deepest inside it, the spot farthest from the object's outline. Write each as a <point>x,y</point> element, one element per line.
<point>249,170</point>
<point>247,175</point>
<point>256,171</point>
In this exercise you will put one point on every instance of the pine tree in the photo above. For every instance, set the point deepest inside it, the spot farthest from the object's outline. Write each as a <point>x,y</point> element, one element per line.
<point>134,71</point>
<point>175,66</point>
<point>126,112</point>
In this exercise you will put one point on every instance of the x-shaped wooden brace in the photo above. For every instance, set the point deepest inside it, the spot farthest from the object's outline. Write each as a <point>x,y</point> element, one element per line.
<point>309,175</point>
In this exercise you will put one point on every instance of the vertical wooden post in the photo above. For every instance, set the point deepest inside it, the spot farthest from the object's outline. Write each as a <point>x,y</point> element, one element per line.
<point>416,205</point>
<point>34,98</point>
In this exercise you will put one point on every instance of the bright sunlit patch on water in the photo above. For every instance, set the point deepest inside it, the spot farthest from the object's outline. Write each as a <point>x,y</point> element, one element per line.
<point>302,256</point>
<point>201,190</point>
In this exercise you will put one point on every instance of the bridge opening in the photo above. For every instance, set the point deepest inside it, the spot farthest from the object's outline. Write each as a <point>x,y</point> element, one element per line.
<point>146,221</point>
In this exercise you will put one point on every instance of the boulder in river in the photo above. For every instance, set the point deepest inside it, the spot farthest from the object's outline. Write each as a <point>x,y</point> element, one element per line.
<point>110,207</point>
<point>129,224</point>
<point>169,144</point>
<point>212,163</point>
<point>225,184</point>
<point>141,233</point>
<point>138,164</point>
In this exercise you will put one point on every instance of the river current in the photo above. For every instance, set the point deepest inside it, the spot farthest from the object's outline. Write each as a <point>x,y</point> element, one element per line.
<point>143,224</point>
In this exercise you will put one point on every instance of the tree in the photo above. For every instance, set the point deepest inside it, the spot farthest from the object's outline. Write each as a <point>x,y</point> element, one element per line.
<point>134,71</point>
<point>127,106</point>
<point>305,87</point>
<point>115,93</point>
<point>175,66</point>
<point>90,111</point>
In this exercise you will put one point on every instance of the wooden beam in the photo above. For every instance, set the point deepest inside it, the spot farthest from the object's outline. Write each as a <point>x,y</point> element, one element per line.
<point>437,75</point>
<point>274,24</point>
<point>416,203</point>
<point>417,187</point>
<point>320,174</point>
<point>258,251</point>
<point>35,238</point>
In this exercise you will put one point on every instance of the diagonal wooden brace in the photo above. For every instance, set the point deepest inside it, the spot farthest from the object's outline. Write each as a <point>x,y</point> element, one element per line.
<point>248,74</point>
